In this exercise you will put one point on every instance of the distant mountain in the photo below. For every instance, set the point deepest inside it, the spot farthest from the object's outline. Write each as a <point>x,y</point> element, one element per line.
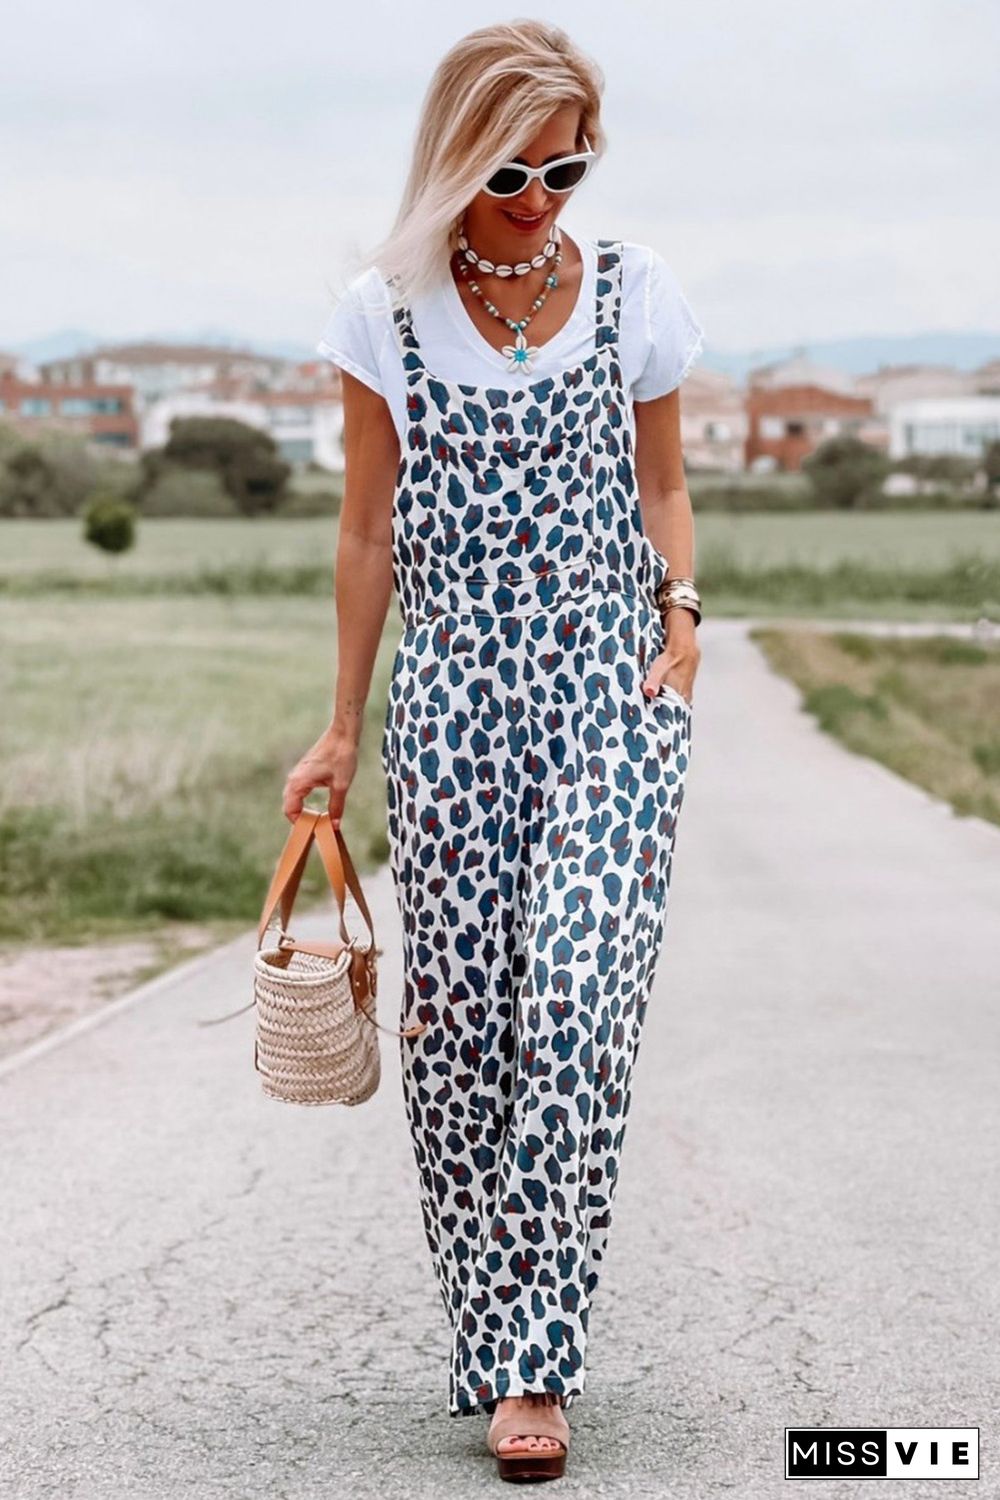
<point>855,356</point>
<point>864,354</point>
<point>70,341</point>
<point>223,339</point>
<point>61,345</point>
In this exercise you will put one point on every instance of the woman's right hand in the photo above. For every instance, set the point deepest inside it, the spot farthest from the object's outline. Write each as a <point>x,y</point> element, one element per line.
<point>331,762</point>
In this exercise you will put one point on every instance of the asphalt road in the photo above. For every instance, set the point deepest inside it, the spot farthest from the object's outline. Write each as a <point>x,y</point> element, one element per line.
<point>207,1295</point>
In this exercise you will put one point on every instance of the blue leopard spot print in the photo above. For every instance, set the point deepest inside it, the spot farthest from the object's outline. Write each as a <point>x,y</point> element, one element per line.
<point>533,797</point>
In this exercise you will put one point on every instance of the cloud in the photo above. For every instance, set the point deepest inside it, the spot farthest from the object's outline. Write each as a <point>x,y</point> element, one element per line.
<point>807,169</point>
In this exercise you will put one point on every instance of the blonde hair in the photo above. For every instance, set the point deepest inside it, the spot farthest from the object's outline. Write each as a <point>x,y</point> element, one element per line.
<point>490,95</point>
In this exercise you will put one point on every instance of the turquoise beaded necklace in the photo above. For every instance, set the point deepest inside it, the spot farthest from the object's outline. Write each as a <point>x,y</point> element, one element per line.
<point>520,353</point>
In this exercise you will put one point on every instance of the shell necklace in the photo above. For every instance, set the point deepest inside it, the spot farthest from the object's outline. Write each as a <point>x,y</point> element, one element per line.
<point>490,268</point>
<point>519,354</point>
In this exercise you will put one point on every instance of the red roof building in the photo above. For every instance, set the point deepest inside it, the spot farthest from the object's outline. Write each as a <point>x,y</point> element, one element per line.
<point>100,413</point>
<point>787,423</point>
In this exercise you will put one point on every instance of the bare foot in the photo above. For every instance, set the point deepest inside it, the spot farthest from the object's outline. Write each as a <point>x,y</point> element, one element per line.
<point>541,1410</point>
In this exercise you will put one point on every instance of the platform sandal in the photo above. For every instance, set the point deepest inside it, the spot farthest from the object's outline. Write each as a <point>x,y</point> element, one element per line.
<point>540,1416</point>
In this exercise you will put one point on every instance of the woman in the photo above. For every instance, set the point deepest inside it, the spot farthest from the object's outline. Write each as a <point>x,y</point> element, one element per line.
<point>509,395</point>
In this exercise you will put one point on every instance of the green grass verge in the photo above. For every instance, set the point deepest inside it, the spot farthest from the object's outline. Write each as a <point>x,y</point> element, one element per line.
<point>928,708</point>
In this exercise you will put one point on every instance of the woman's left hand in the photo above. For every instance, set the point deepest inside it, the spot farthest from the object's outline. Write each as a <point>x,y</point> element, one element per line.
<point>678,662</point>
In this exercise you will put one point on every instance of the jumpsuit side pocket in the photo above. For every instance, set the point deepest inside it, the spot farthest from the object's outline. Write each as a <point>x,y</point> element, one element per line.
<point>649,649</point>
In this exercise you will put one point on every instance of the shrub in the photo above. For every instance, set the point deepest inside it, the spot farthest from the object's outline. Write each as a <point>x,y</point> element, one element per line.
<point>846,473</point>
<point>27,483</point>
<point>186,492</point>
<point>942,468</point>
<point>109,522</point>
<point>311,503</point>
<point>245,459</point>
<point>49,475</point>
<point>991,465</point>
<point>732,495</point>
<point>52,473</point>
<point>10,440</point>
<point>257,481</point>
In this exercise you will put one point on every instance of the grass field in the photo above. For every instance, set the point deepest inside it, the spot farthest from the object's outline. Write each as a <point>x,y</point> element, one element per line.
<point>144,748</point>
<point>149,722</point>
<point>878,565</point>
<point>166,546</point>
<point>886,539</point>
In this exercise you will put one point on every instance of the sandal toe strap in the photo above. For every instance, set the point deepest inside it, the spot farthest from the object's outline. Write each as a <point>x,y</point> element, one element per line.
<point>527,1423</point>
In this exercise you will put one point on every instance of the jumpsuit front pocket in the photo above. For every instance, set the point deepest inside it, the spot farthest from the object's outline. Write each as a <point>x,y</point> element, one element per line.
<point>667,691</point>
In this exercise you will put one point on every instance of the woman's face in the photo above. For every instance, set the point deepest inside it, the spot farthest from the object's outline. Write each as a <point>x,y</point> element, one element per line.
<point>517,228</point>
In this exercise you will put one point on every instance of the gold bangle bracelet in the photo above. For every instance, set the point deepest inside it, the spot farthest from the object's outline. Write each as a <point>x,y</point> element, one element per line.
<point>677,586</point>
<point>678,596</point>
<point>680,604</point>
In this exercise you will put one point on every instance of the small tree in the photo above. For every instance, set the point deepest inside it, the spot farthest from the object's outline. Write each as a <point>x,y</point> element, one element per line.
<point>245,459</point>
<point>10,440</point>
<point>952,470</point>
<point>26,483</point>
<point>50,474</point>
<point>186,492</point>
<point>991,464</point>
<point>846,472</point>
<point>109,523</point>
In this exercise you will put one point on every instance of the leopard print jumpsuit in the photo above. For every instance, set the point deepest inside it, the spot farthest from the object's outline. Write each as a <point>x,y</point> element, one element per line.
<point>533,795</point>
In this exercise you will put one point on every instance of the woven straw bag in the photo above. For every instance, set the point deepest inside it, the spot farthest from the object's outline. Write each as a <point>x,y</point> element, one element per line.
<point>316,1040</point>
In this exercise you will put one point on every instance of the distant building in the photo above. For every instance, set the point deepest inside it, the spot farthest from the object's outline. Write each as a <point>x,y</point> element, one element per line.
<point>157,417</point>
<point>713,421</point>
<point>158,370</point>
<point>101,413</point>
<point>306,425</point>
<point>961,425</point>
<point>799,370</point>
<point>986,380</point>
<point>17,366</point>
<point>788,423</point>
<point>891,384</point>
<point>312,375</point>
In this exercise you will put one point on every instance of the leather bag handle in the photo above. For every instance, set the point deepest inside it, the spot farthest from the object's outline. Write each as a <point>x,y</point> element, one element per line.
<point>308,827</point>
<point>337,862</point>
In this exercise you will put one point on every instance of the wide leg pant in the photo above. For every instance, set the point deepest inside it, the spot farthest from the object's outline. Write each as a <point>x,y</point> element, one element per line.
<point>533,794</point>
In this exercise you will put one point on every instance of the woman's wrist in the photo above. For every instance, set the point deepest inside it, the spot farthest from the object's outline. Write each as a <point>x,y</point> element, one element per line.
<point>344,730</point>
<point>679,622</point>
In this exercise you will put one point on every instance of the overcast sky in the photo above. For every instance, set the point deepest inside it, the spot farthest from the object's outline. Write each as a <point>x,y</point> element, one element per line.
<point>809,169</point>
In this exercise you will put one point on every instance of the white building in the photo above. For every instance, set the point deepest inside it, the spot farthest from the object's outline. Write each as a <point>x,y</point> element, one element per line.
<point>307,426</point>
<point>950,424</point>
<point>891,385</point>
<point>158,370</point>
<point>158,415</point>
<point>714,421</point>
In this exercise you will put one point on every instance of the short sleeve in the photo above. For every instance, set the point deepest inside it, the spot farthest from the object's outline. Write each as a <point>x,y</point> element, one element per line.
<point>355,331</point>
<point>674,335</point>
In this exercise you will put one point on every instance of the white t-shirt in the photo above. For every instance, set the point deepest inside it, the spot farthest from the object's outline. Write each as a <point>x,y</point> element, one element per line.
<point>659,341</point>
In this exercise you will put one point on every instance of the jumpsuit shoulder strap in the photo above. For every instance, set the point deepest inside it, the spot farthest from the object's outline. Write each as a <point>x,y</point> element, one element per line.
<point>406,339</point>
<point>610,259</point>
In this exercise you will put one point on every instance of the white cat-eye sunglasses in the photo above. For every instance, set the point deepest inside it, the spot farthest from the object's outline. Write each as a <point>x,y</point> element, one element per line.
<point>559,176</point>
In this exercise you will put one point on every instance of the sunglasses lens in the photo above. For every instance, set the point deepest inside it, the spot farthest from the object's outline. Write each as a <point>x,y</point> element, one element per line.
<point>565,175</point>
<point>506,182</point>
